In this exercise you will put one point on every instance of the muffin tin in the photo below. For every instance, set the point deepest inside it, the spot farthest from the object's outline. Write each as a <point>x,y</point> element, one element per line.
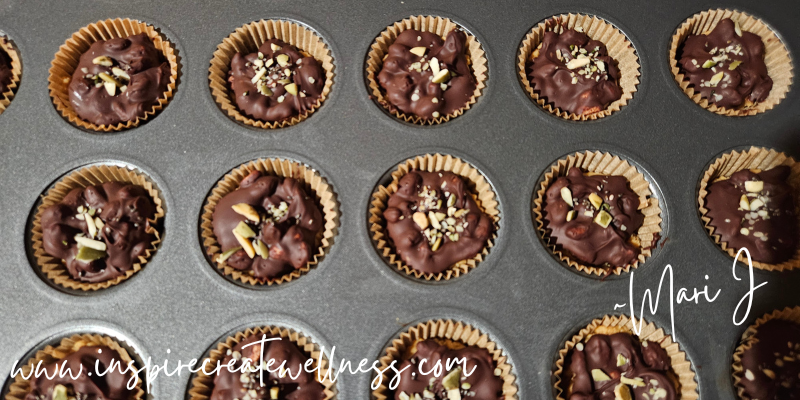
<point>178,306</point>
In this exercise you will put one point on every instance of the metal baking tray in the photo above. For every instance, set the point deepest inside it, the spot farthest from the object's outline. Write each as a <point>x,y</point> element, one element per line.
<point>178,306</point>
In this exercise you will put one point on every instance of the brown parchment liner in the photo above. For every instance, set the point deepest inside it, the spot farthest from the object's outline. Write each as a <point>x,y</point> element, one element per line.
<point>453,335</point>
<point>748,340</point>
<point>604,164</point>
<point>476,59</point>
<point>776,57</point>
<point>247,39</point>
<point>610,324</point>
<point>203,383</point>
<point>69,54</point>
<point>754,158</point>
<point>16,72</point>
<point>313,184</point>
<point>482,193</point>
<point>94,175</point>
<point>20,388</point>
<point>619,48</point>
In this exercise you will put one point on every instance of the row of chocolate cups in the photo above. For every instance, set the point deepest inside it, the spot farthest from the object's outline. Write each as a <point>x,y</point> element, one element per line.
<point>449,332</point>
<point>53,270</point>
<point>248,38</point>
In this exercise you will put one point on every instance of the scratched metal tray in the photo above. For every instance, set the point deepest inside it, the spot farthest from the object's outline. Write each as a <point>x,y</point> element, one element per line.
<point>178,306</point>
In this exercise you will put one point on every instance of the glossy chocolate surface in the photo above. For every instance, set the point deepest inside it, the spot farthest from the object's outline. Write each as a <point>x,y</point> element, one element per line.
<point>726,65</point>
<point>768,226</point>
<point>269,97</point>
<point>408,78</point>
<point>290,220</point>
<point>88,385</point>
<point>295,384</point>
<point>123,211</point>
<point>461,233</point>
<point>771,368</point>
<point>574,73</point>
<point>596,369</point>
<point>581,236</point>
<point>481,384</point>
<point>147,79</point>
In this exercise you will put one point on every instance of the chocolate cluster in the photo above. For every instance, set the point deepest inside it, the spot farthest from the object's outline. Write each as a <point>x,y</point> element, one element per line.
<point>99,231</point>
<point>573,72</point>
<point>771,366</point>
<point>435,222</point>
<point>426,76</point>
<point>267,227</point>
<point>88,384</point>
<point>118,80</point>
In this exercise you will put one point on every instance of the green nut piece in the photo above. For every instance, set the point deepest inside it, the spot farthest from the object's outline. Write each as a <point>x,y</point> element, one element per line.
<point>452,380</point>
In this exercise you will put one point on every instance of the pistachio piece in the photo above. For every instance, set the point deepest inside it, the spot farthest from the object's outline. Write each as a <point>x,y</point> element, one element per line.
<point>90,243</point>
<point>621,392</point>
<point>419,51</point>
<point>621,360</point>
<point>273,392</point>
<point>596,200</point>
<point>566,194</point>
<point>103,60</point>
<point>88,254</point>
<point>570,215</point>
<point>282,59</point>
<point>243,230</point>
<point>452,379</point>
<point>247,211</point>
<point>246,245</point>
<point>734,64</point>
<point>709,64</point>
<point>224,256</point>
<point>576,63</point>
<point>60,392</point>
<point>754,186</point>
<point>264,89</point>
<point>442,77</point>
<point>603,219</point>
<point>599,376</point>
<point>291,89</point>
<point>744,202</point>
<point>716,78</point>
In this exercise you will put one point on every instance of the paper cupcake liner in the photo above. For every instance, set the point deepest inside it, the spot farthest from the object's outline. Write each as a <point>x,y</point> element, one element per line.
<point>476,58</point>
<point>203,384</point>
<point>313,184</point>
<point>686,382</point>
<point>54,268</point>
<point>448,333</point>
<point>748,340</point>
<point>753,158</point>
<point>619,48</point>
<point>604,164</point>
<point>19,389</point>
<point>776,57</point>
<point>16,72</point>
<point>69,54</point>
<point>247,39</point>
<point>483,193</point>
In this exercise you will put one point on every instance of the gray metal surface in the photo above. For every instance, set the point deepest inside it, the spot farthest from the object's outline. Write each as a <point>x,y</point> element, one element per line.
<point>520,295</point>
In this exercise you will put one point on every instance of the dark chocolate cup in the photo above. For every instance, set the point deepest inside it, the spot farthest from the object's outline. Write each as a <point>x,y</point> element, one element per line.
<point>247,39</point>
<point>53,268</point>
<point>203,384</point>
<point>16,72</point>
<point>686,383</point>
<point>605,164</point>
<point>753,158</point>
<point>485,197</point>
<point>69,54</point>
<point>776,57</point>
<point>619,48</point>
<point>427,23</point>
<point>452,334</point>
<point>748,340</point>
<point>19,389</point>
<point>313,183</point>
